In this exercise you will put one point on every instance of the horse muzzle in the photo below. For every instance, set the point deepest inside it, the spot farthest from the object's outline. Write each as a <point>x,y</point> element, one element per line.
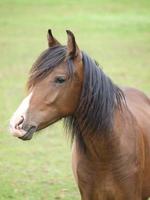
<point>22,129</point>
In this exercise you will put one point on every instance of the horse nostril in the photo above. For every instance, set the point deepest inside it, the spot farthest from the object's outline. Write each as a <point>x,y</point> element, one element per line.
<point>19,123</point>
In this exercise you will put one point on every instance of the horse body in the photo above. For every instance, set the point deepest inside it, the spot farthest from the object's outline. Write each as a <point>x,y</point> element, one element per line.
<point>118,164</point>
<point>139,104</point>
<point>109,126</point>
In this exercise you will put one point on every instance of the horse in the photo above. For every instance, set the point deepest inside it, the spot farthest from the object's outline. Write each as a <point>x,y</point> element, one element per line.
<point>109,125</point>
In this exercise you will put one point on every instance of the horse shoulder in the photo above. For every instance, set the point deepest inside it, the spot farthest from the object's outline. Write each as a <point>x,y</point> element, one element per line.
<point>139,105</point>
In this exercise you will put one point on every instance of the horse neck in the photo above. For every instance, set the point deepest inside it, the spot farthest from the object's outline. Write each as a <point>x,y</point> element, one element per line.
<point>107,146</point>
<point>102,147</point>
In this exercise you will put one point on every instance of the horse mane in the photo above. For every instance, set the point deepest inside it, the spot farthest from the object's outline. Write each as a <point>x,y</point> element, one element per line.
<point>45,63</point>
<point>99,97</point>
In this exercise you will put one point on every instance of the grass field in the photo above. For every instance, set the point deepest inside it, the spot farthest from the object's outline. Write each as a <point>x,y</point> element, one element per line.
<point>115,33</point>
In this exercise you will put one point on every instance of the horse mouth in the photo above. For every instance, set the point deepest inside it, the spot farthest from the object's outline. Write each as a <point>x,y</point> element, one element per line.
<point>25,131</point>
<point>29,133</point>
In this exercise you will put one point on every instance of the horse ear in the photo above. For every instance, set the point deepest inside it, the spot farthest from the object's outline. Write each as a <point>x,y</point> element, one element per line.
<point>72,49</point>
<point>51,40</point>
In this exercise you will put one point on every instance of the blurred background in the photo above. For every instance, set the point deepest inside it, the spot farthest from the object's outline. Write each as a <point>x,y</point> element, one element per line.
<point>115,33</point>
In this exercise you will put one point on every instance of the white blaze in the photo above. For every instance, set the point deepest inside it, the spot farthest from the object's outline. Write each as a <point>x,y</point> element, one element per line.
<point>18,116</point>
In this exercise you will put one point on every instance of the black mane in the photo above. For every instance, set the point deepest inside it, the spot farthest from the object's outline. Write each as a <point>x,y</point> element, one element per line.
<point>46,62</point>
<point>99,99</point>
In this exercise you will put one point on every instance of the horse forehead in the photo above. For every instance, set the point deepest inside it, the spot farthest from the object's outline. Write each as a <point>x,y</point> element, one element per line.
<point>63,67</point>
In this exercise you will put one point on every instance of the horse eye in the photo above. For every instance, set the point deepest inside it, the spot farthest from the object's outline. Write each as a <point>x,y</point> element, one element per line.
<point>60,79</point>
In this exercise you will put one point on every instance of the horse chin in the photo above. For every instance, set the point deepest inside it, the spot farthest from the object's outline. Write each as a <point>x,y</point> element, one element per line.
<point>29,134</point>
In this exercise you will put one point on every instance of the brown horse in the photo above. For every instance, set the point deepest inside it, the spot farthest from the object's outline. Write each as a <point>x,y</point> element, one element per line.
<point>110,127</point>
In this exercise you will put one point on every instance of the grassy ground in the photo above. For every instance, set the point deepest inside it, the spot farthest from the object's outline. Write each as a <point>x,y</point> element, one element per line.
<point>115,33</point>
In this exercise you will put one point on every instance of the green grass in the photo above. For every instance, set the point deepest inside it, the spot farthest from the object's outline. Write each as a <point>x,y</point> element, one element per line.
<point>115,33</point>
